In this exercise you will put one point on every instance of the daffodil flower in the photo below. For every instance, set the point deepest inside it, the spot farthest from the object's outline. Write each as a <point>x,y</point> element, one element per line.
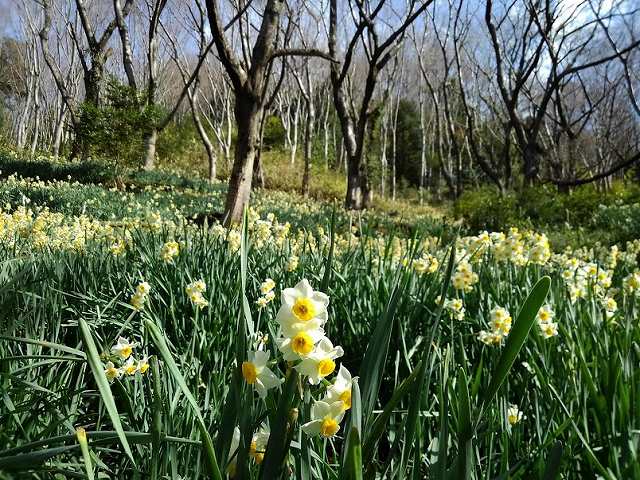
<point>259,443</point>
<point>130,367</point>
<point>143,288</point>
<point>300,344</point>
<point>143,365</point>
<point>514,415</point>
<point>326,418</point>
<point>549,329</point>
<point>111,372</point>
<point>124,348</point>
<point>257,374</point>
<point>169,251</point>
<point>320,363</point>
<point>267,286</point>
<point>340,390</point>
<point>233,453</point>
<point>302,309</point>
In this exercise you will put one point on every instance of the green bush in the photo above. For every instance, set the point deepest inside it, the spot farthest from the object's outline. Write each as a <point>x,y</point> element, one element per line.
<point>83,172</point>
<point>486,209</point>
<point>115,130</point>
<point>274,133</point>
<point>544,207</point>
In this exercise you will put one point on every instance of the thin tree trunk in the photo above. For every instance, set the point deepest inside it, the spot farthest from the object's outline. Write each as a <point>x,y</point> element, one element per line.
<point>308,129</point>
<point>58,135</point>
<point>150,140</point>
<point>211,155</point>
<point>247,114</point>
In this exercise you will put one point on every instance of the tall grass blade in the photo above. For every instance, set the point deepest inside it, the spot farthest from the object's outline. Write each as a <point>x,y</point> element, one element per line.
<point>93,358</point>
<point>163,349</point>
<point>554,462</point>
<point>281,430</point>
<point>517,336</point>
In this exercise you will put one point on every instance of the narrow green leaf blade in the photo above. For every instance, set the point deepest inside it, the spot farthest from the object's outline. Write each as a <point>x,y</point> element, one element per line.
<point>93,358</point>
<point>517,336</point>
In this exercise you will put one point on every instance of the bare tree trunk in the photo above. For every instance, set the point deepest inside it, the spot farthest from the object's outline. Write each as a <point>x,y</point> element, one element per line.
<point>358,193</point>
<point>394,148</point>
<point>294,131</point>
<point>383,157</point>
<point>308,129</point>
<point>247,114</point>
<point>150,139</point>
<point>59,132</point>
<point>325,130</point>
<point>36,124</point>
<point>423,148</point>
<point>202,133</point>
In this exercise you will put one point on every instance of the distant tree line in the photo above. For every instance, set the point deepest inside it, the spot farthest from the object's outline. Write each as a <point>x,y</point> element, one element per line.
<point>441,95</point>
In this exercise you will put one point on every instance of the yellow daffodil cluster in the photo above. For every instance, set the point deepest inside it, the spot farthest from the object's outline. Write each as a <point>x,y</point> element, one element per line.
<point>585,279</point>
<point>548,327</point>
<point>266,289</point>
<point>140,296</point>
<point>464,277</point>
<point>453,306</point>
<point>500,323</point>
<point>122,354</point>
<point>41,229</point>
<point>257,448</point>
<point>195,292</point>
<point>169,251</point>
<point>292,263</point>
<point>426,263</point>
<point>632,283</point>
<point>303,343</point>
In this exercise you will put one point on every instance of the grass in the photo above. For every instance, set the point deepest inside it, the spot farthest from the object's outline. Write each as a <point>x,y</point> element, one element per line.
<point>430,401</point>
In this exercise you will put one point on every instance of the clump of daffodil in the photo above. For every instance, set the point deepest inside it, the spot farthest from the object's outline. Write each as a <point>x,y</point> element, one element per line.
<point>427,263</point>
<point>548,327</point>
<point>257,374</point>
<point>169,251</point>
<point>140,296</point>
<point>266,288</point>
<point>123,354</point>
<point>118,247</point>
<point>631,283</point>
<point>195,292</point>
<point>123,348</point>
<point>464,278</point>
<point>292,263</point>
<point>455,308</point>
<point>301,317</point>
<point>500,323</point>
<point>514,415</point>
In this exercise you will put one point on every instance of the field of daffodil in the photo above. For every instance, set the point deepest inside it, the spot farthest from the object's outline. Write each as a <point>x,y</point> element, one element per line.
<point>138,344</point>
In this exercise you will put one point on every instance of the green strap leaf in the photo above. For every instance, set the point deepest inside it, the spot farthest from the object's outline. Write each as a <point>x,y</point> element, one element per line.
<point>163,349</point>
<point>93,358</point>
<point>517,336</point>
<point>281,430</point>
<point>553,462</point>
<point>353,466</point>
<point>465,431</point>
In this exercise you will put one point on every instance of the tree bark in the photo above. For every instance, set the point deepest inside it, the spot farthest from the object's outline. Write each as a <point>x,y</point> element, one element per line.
<point>308,129</point>
<point>150,139</point>
<point>247,114</point>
